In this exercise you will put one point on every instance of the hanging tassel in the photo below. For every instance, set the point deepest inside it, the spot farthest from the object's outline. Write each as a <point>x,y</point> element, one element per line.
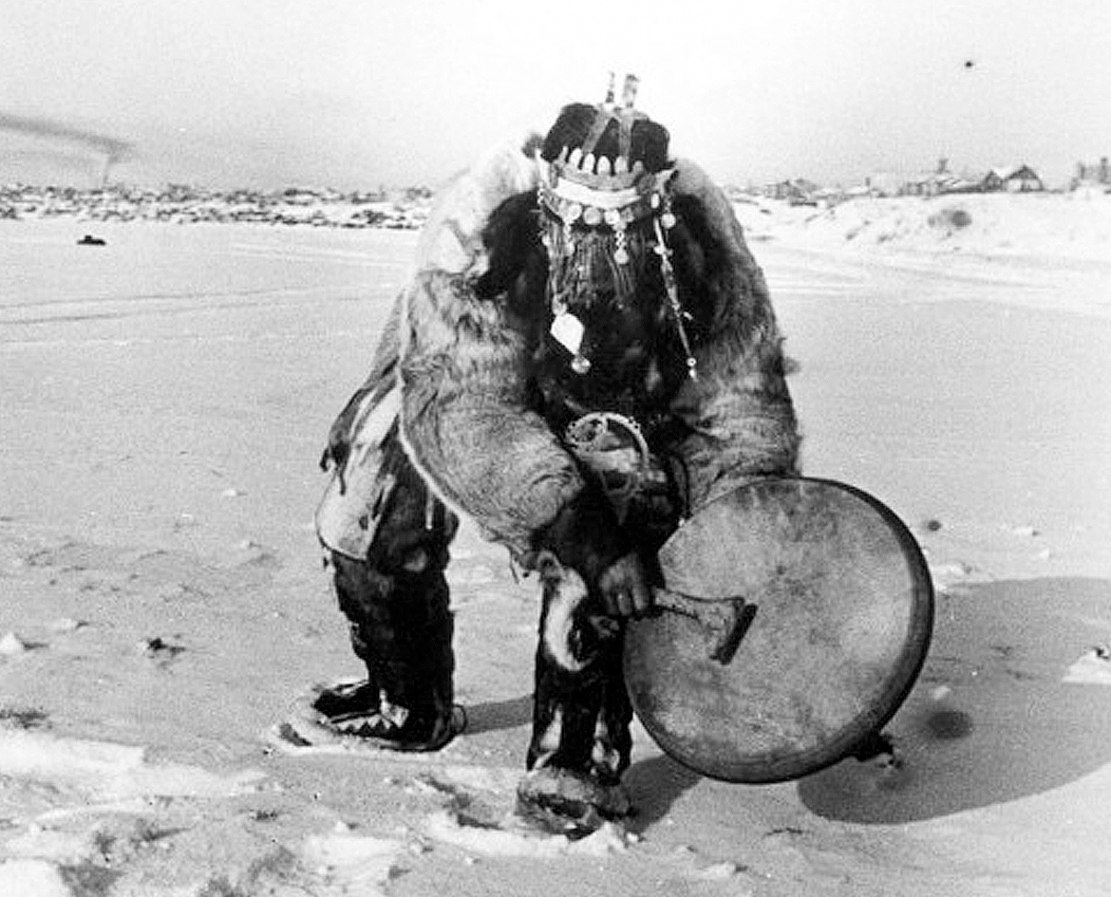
<point>672,287</point>
<point>582,262</point>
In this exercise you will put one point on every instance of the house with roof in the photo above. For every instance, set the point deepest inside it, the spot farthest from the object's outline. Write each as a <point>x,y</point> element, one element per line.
<point>1017,179</point>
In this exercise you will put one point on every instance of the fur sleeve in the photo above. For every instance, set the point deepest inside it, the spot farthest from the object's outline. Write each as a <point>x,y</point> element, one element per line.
<point>463,419</point>
<point>738,414</point>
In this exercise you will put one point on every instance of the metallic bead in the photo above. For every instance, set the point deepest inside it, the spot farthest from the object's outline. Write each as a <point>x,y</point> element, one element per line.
<point>621,241</point>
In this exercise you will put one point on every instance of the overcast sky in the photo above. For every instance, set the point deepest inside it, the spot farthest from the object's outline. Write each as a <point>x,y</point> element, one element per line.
<point>357,93</point>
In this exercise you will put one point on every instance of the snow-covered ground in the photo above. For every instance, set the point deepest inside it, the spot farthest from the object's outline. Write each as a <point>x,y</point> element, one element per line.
<point>165,399</point>
<point>1035,226</point>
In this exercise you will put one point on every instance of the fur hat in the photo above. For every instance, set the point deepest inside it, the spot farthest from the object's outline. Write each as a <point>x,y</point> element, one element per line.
<point>603,173</point>
<point>620,135</point>
<point>601,164</point>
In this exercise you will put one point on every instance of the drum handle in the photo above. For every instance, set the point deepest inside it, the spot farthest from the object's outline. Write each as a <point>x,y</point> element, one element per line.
<point>729,618</point>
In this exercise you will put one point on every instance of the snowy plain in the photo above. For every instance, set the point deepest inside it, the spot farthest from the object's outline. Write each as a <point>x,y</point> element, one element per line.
<point>163,403</point>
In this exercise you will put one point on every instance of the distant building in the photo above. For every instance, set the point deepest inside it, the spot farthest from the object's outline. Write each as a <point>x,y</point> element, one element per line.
<point>797,191</point>
<point>1018,179</point>
<point>1092,175</point>
<point>883,183</point>
<point>936,182</point>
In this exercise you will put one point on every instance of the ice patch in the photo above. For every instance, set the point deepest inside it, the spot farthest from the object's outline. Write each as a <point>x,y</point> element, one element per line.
<point>106,771</point>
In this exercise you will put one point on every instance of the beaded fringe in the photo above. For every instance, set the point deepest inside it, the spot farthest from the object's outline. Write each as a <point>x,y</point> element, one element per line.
<point>584,262</point>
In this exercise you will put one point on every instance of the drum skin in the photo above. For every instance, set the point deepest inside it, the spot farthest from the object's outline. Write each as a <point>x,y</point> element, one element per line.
<point>832,632</point>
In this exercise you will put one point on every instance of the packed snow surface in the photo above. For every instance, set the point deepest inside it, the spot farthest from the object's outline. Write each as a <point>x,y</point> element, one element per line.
<point>165,400</point>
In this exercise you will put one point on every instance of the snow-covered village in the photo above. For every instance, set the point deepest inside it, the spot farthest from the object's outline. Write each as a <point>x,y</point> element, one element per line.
<point>406,208</point>
<point>180,204</point>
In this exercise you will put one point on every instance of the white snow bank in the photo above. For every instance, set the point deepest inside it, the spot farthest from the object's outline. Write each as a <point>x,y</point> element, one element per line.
<point>109,771</point>
<point>1094,668</point>
<point>445,827</point>
<point>1074,226</point>
<point>33,878</point>
<point>64,848</point>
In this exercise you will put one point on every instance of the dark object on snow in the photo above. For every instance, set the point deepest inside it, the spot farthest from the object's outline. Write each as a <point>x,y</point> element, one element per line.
<point>951,218</point>
<point>157,648</point>
<point>90,240</point>
<point>23,717</point>
<point>797,616</point>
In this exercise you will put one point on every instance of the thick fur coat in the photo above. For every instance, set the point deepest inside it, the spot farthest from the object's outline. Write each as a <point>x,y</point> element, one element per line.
<point>460,368</point>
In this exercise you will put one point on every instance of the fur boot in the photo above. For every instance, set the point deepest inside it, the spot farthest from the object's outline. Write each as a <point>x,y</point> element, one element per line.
<point>581,714</point>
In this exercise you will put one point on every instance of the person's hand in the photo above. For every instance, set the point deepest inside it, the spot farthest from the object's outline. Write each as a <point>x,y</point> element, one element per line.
<point>624,589</point>
<point>586,537</point>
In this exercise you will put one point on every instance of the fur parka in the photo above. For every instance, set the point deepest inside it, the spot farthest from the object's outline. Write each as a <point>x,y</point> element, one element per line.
<point>455,376</point>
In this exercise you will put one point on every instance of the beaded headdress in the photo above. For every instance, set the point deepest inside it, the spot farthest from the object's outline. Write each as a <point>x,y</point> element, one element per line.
<point>606,212</point>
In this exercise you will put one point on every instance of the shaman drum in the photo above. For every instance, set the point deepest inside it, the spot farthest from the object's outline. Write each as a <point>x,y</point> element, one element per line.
<point>795,617</point>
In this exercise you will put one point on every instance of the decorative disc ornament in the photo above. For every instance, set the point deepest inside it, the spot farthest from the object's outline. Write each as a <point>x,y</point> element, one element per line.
<point>795,618</point>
